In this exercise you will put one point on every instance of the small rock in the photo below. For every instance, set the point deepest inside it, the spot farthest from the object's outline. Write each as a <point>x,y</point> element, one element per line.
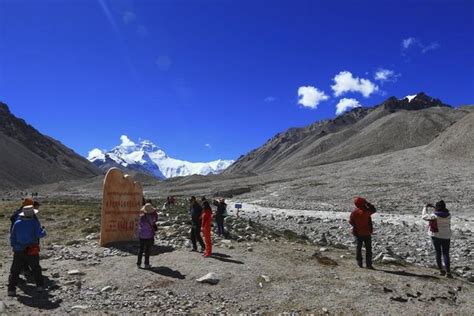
<point>108,288</point>
<point>74,272</point>
<point>249,249</point>
<point>388,259</point>
<point>81,307</point>
<point>55,275</point>
<point>266,278</point>
<point>323,249</point>
<point>210,278</point>
<point>325,310</point>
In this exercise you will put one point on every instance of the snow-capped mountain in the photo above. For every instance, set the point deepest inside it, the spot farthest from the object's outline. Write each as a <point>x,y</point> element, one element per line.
<point>148,158</point>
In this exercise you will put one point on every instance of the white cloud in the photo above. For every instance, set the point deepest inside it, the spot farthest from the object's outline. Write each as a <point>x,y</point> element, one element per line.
<point>344,82</point>
<point>126,142</point>
<point>95,153</point>
<point>310,96</point>
<point>129,17</point>
<point>208,146</point>
<point>417,44</point>
<point>407,42</point>
<point>269,99</point>
<point>430,46</point>
<point>383,75</point>
<point>346,104</point>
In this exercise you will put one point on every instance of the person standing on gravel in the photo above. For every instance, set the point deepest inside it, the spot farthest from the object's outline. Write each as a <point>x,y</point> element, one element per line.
<point>24,239</point>
<point>362,229</point>
<point>220,215</point>
<point>206,222</point>
<point>146,233</point>
<point>195,211</point>
<point>440,232</point>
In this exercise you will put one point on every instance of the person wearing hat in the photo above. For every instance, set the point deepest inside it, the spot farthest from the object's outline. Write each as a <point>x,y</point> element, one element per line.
<point>16,214</point>
<point>362,229</point>
<point>440,232</point>
<point>220,214</point>
<point>146,233</point>
<point>195,210</point>
<point>24,239</point>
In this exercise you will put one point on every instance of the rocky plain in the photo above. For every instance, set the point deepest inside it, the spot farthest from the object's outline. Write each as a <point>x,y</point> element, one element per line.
<point>272,261</point>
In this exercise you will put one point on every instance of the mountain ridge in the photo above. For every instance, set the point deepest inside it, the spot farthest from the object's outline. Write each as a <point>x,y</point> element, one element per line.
<point>148,158</point>
<point>356,133</point>
<point>30,157</point>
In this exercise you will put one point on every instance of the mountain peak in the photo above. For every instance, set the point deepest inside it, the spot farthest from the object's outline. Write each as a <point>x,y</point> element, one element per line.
<point>417,101</point>
<point>148,158</point>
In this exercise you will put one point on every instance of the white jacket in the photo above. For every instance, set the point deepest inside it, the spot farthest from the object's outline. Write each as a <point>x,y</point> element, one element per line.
<point>444,225</point>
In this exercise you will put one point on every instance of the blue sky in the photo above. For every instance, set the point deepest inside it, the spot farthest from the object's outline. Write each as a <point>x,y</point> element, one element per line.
<point>225,73</point>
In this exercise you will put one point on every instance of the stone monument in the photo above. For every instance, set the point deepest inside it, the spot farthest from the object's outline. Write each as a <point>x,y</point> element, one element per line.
<point>121,202</point>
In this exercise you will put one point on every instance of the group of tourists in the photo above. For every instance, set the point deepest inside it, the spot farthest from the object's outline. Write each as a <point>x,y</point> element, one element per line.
<point>201,216</point>
<point>26,232</point>
<point>439,229</point>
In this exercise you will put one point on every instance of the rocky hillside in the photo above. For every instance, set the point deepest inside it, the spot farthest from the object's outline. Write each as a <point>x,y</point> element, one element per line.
<point>395,124</point>
<point>30,158</point>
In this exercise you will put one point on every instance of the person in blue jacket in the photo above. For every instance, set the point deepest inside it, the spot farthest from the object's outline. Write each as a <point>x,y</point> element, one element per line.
<point>24,239</point>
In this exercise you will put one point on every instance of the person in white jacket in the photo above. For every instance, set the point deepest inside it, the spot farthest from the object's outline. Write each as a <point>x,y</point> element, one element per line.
<point>440,232</point>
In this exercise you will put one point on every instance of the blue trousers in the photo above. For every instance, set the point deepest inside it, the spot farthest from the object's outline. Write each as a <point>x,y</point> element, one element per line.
<point>442,247</point>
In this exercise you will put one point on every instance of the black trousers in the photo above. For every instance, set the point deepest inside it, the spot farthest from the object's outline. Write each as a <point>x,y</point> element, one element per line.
<point>367,241</point>
<point>220,225</point>
<point>20,260</point>
<point>442,247</point>
<point>145,247</point>
<point>196,235</point>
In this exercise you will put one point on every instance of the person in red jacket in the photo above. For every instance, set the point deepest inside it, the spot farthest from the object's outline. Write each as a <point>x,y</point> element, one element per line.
<point>206,220</point>
<point>362,229</point>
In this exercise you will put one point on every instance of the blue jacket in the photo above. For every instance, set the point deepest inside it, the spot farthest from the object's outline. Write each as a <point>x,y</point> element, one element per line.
<point>25,232</point>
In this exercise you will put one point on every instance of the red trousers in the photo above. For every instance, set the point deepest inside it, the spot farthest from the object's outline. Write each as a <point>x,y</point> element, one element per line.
<point>206,232</point>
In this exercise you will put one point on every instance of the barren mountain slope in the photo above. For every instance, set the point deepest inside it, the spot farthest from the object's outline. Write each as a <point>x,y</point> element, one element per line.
<point>393,125</point>
<point>457,141</point>
<point>29,157</point>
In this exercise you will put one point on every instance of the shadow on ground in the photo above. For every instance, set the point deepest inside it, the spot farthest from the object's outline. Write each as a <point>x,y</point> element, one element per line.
<point>225,258</point>
<point>410,274</point>
<point>168,272</point>
<point>41,300</point>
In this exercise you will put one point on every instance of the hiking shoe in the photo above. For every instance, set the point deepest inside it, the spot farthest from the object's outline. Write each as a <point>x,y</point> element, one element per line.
<point>11,293</point>
<point>449,275</point>
<point>139,265</point>
<point>442,272</point>
<point>147,266</point>
<point>360,265</point>
<point>370,268</point>
<point>193,250</point>
<point>202,250</point>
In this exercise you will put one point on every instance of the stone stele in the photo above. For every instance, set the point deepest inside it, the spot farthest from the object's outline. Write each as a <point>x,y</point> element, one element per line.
<point>121,203</point>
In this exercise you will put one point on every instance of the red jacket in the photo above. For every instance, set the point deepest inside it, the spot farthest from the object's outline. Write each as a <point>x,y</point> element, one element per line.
<point>360,218</point>
<point>206,220</point>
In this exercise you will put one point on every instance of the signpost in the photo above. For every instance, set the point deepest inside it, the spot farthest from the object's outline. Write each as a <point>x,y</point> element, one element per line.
<point>121,202</point>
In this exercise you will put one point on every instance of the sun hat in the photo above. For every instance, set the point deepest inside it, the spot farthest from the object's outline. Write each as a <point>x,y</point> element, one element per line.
<point>148,208</point>
<point>27,201</point>
<point>28,211</point>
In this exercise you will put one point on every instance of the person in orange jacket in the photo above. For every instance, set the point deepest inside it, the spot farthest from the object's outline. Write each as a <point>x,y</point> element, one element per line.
<point>206,220</point>
<point>362,229</point>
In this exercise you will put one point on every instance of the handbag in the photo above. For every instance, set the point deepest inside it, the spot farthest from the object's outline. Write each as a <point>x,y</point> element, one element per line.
<point>33,250</point>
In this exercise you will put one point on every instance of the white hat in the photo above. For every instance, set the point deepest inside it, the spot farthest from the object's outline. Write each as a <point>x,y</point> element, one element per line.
<point>148,208</point>
<point>28,211</point>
